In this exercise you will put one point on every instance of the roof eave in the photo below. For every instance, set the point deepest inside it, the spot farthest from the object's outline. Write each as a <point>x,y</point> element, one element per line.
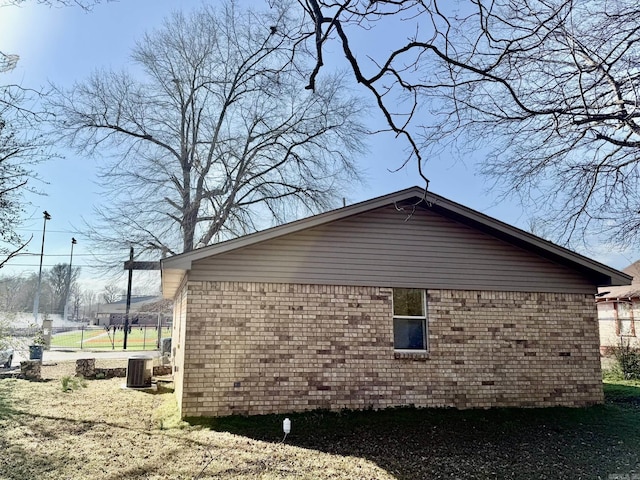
<point>178,265</point>
<point>171,279</point>
<point>535,243</point>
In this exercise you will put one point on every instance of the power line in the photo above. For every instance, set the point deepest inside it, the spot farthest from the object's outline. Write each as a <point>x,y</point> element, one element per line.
<point>52,265</point>
<point>49,231</point>
<point>28,254</point>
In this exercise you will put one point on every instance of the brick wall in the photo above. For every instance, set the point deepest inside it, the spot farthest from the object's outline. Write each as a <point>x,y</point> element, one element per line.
<point>266,348</point>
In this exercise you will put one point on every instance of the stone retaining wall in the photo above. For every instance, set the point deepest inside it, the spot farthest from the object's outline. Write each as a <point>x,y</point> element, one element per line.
<point>31,370</point>
<point>86,368</point>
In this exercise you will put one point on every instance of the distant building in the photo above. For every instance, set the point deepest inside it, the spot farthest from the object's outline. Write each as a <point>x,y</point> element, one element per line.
<point>619,312</point>
<point>144,310</point>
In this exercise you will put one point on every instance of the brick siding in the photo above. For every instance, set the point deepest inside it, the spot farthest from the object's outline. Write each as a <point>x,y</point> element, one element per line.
<point>272,348</point>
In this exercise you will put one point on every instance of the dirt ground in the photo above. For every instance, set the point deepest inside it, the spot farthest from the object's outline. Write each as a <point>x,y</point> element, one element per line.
<point>104,431</point>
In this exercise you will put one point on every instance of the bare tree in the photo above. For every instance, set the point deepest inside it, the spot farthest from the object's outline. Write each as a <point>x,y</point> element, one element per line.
<point>76,298</point>
<point>13,180</point>
<point>549,89</point>
<point>16,293</point>
<point>60,282</point>
<point>84,4</point>
<point>111,293</point>
<point>22,147</point>
<point>217,137</point>
<point>89,301</point>
<point>8,61</point>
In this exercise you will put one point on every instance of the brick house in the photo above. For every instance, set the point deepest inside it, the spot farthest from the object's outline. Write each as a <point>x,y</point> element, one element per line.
<point>405,299</point>
<point>619,312</point>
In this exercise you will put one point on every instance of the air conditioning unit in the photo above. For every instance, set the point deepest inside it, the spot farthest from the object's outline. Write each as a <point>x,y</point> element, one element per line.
<point>139,371</point>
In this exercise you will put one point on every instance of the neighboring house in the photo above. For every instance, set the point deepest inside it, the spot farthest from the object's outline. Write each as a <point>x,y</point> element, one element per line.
<point>143,310</point>
<point>619,312</point>
<point>406,299</point>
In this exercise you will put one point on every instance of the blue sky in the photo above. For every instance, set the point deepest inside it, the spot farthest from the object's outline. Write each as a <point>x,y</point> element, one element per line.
<point>63,45</point>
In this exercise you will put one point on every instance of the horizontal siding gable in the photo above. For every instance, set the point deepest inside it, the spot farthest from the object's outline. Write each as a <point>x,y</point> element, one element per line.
<point>387,247</point>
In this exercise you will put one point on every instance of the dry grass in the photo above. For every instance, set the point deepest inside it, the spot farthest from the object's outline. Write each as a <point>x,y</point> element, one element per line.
<point>106,432</point>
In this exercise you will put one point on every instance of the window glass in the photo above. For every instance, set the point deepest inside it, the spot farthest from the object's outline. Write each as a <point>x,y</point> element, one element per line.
<point>408,334</point>
<point>409,319</point>
<point>408,302</point>
<point>625,319</point>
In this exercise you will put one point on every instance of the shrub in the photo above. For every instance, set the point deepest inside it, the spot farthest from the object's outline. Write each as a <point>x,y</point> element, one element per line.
<point>612,373</point>
<point>70,384</point>
<point>37,334</point>
<point>628,360</point>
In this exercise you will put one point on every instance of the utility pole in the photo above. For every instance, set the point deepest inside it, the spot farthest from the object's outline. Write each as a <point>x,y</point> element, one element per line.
<point>66,297</point>
<point>131,266</point>
<point>126,316</point>
<point>36,301</point>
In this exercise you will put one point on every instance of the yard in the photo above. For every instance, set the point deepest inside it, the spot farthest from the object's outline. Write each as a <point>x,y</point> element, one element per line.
<point>106,432</point>
<point>97,338</point>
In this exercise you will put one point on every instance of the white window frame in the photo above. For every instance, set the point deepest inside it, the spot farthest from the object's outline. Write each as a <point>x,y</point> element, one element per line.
<point>624,315</point>
<point>423,317</point>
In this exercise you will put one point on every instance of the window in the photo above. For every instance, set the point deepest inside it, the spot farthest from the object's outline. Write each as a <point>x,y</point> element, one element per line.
<point>624,319</point>
<point>409,319</point>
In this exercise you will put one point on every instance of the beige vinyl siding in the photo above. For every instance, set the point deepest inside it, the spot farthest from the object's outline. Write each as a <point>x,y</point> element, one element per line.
<point>385,247</point>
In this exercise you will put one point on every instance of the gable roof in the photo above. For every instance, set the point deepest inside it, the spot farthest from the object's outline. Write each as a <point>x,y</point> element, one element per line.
<point>174,268</point>
<point>626,291</point>
<point>142,303</point>
<point>634,271</point>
